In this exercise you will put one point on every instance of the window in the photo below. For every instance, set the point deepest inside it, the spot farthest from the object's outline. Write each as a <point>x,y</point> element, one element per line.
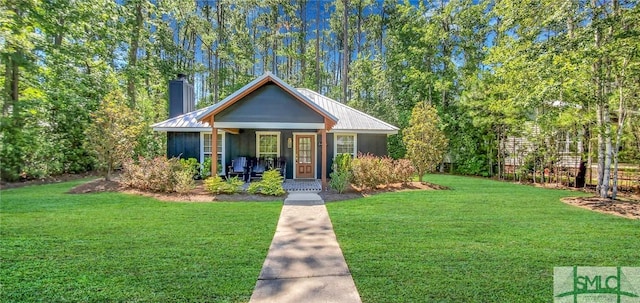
<point>345,144</point>
<point>206,149</point>
<point>268,144</point>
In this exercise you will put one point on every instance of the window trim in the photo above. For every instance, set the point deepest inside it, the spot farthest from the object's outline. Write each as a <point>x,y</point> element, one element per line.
<point>222,153</point>
<point>355,143</point>
<point>260,133</point>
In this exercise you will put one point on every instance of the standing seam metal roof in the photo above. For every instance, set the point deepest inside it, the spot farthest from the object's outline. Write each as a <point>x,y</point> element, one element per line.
<point>349,119</point>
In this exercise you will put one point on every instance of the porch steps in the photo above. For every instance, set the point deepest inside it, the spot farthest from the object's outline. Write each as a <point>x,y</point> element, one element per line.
<point>303,198</point>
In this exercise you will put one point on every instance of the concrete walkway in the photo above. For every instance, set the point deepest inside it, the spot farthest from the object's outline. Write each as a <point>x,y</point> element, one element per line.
<point>305,262</point>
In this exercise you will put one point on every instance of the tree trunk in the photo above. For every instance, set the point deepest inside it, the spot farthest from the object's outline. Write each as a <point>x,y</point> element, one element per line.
<point>621,119</point>
<point>133,54</point>
<point>604,188</point>
<point>345,48</point>
<point>359,26</point>
<point>318,24</point>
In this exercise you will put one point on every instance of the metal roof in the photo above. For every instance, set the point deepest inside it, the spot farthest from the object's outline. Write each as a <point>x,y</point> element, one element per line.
<point>348,119</point>
<point>186,122</point>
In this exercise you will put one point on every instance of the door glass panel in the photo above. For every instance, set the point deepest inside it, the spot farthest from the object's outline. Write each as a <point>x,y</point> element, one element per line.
<point>304,150</point>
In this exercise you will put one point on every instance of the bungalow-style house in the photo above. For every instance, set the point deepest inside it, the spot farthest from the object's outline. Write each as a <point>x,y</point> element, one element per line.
<point>269,118</point>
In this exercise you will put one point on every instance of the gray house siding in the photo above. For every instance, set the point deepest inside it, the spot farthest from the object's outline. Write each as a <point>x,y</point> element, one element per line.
<point>375,144</point>
<point>330,156</point>
<point>187,145</point>
<point>183,145</point>
<point>269,104</point>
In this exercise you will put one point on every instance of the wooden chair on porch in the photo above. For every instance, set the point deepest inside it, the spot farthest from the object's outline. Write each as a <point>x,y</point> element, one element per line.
<point>281,166</point>
<point>239,167</point>
<point>257,167</point>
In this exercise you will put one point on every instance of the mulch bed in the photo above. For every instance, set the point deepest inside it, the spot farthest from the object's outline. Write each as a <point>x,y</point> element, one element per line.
<point>48,180</point>
<point>628,208</point>
<point>199,194</point>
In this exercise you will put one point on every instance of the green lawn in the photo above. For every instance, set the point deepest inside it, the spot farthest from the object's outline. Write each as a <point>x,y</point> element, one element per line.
<point>58,247</point>
<point>481,241</point>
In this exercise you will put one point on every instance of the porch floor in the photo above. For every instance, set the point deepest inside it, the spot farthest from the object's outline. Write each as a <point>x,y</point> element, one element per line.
<point>291,185</point>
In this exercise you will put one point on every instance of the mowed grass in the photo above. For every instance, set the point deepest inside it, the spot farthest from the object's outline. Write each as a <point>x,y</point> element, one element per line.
<point>481,241</point>
<point>110,247</point>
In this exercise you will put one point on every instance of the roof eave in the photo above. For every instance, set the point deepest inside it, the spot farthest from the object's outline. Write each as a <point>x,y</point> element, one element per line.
<point>366,131</point>
<point>182,129</point>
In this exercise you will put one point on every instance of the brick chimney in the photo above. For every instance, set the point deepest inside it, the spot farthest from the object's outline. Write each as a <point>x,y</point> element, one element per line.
<point>181,96</point>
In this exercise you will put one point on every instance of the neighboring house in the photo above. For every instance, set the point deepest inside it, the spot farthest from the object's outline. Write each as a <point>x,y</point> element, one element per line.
<point>269,118</point>
<point>565,148</point>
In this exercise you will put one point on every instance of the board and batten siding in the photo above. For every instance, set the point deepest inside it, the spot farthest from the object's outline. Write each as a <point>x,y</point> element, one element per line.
<point>183,144</point>
<point>269,103</point>
<point>375,144</point>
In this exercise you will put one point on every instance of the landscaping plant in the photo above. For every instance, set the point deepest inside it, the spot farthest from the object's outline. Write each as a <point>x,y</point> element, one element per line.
<point>370,171</point>
<point>403,171</point>
<point>205,168</point>
<point>158,174</point>
<point>216,185</point>
<point>426,143</point>
<point>270,185</point>
<point>112,135</point>
<point>341,176</point>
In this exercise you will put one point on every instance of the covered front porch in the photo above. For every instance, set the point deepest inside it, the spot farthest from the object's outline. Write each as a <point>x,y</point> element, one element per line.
<point>268,119</point>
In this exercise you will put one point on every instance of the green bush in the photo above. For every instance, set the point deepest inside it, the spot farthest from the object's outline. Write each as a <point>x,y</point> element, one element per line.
<point>370,171</point>
<point>184,182</point>
<point>340,180</point>
<point>342,162</point>
<point>341,176</point>
<point>270,185</point>
<point>191,165</point>
<point>205,169</point>
<point>157,174</point>
<point>216,185</point>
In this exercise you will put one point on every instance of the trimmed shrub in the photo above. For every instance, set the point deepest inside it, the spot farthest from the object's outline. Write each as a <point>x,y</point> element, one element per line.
<point>270,185</point>
<point>216,185</point>
<point>403,171</point>
<point>157,174</point>
<point>370,171</point>
<point>184,182</point>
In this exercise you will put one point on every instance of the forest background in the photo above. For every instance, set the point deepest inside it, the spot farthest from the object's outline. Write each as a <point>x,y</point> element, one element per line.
<point>557,73</point>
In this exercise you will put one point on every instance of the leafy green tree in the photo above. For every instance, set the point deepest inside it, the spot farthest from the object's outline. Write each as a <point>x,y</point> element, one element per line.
<point>426,143</point>
<point>113,134</point>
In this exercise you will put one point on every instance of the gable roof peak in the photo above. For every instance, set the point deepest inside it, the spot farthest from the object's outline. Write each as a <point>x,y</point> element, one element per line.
<point>259,82</point>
